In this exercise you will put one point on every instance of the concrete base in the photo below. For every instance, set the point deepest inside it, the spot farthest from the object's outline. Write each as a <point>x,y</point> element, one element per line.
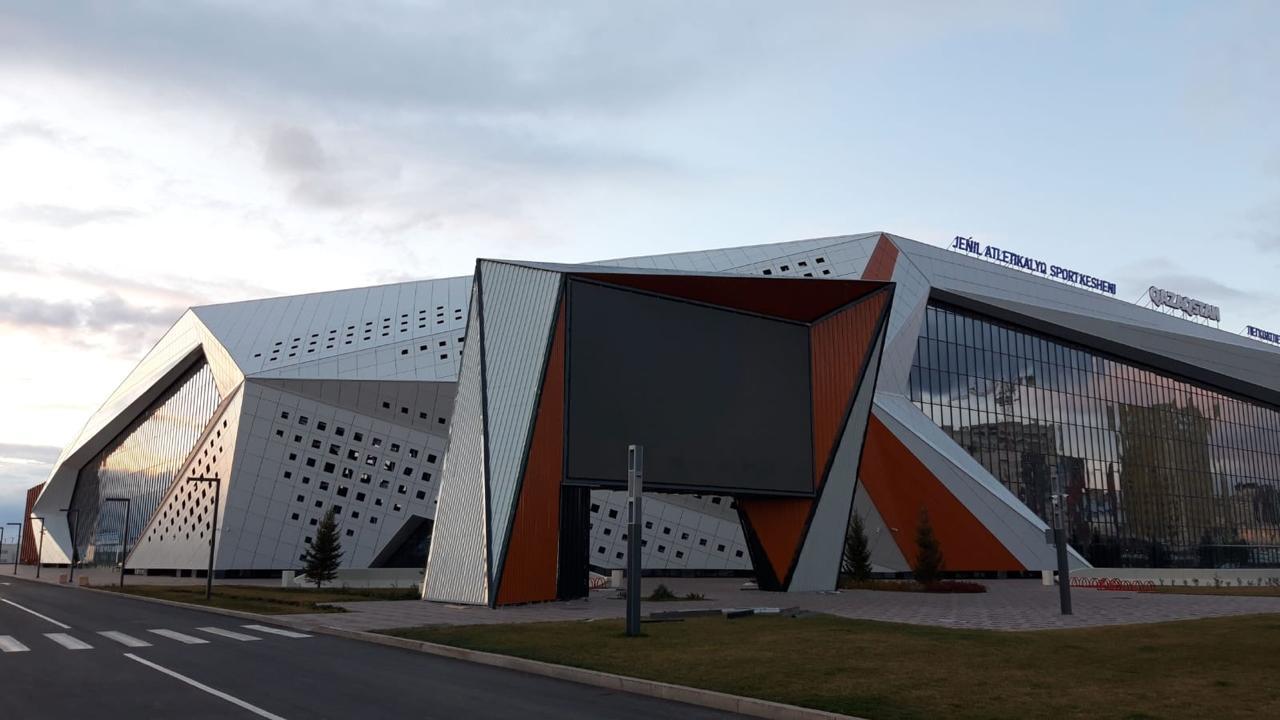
<point>369,578</point>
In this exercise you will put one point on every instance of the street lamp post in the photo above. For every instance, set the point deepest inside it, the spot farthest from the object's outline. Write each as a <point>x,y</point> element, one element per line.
<point>1,538</point>
<point>124,539</point>
<point>17,549</point>
<point>213,534</point>
<point>71,576</point>
<point>40,546</point>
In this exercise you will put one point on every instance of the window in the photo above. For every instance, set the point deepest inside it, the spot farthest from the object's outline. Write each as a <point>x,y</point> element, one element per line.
<point>404,410</point>
<point>679,554</point>
<point>342,491</point>
<point>324,485</point>
<point>315,444</point>
<point>294,516</point>
<point>389,465</point>
<point>334,449</point>
<point>395,447</point>
<point>422,416</point>
<point>279,433</point>
<point>355,514</point>
<point>386,405</point>
<point>288,474</point>
<point>358,437</point>
<point>373,519</point>
<point>348,473</point>
<point>376,442</point>
<point>301,498</point>
<point>377,502</point>
<point>684,536</point>
<point>371,460</point>
<point>302,419</point>
<point>666,531</point>
<point>402,489</point>
<point>353,454</point>
<point>329,467</point>
<point>426,477</point>
<point>608,531</point>
<point>702,542</point>
<point>311,462</point>
<point>284,414</point>
<point>595,507</point>
<point>408,471</point>
<point>350,532</point>
<point>720,548</point>
<point>365,478</point>
<point>306,479</point>
<point>440,421</point>
<point>384,484</point>
<point>293,456</point>
<point>431,458</point>
<point>618,555</point>
<point>421,495</point>
<point>737,553</point>
<point>648,524</point>
<point>413,453</point>
<point>319,503</point>
<point>600,549</point>
<point>322,426</point>
<point>297,438</point>
<point>339,431</point>
<point>396,507</point>
<point>613,512</point>
<point>360,497</point>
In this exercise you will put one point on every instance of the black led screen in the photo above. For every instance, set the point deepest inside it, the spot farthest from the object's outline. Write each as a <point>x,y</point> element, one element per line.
<point>719,399</point>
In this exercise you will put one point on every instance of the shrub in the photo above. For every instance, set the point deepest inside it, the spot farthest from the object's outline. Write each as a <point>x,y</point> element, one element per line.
<point>929,558</point>
<point>856,562</point>
<point>955,586</point>
<point>662,592</point>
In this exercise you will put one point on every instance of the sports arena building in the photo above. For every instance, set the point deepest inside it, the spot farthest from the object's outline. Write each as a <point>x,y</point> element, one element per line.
<point>478,426</point>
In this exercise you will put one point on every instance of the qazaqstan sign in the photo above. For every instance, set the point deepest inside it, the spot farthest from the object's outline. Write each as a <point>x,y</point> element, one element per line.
<point>1190,306</point>
<point>1056,272</point>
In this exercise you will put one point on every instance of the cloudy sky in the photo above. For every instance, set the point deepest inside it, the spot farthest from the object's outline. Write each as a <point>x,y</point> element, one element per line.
<point>156,155</point>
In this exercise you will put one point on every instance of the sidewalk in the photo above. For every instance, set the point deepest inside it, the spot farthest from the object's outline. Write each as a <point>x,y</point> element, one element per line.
<point>1008,605</point>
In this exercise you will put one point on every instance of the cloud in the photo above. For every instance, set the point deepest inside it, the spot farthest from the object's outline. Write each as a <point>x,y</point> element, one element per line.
<point>21,467</point>
<point>130,327</point>
<point>62,216</point>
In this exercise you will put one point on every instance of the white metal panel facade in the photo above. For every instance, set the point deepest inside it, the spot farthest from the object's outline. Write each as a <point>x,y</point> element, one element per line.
<point>457,567</point>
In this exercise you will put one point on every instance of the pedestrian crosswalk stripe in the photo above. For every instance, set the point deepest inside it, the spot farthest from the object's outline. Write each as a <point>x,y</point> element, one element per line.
<point>180,637</point>
<point>126,640</point>
<point>228,634</point>
<point>275,631</point>
<point>9,644</point>
<point>68,642</point>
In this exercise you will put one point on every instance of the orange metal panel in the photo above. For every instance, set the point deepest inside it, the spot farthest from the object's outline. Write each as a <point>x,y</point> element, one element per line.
<point>883,259</point>
<point>529,572</point>
<point>779,525</point>
<point>791,298</point>
<point>837,353</point>
<point>30,544</point>
<point>899,484</point>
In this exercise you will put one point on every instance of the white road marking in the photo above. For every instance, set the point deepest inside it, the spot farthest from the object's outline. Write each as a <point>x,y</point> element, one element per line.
<point>180,637</point>
<point>64,626</point>
<point>68,642</point>
<point>275,631</point>
<point>228,634</point>
<point>9,644</point>
<point>201,686</point>
<point>126,640</point>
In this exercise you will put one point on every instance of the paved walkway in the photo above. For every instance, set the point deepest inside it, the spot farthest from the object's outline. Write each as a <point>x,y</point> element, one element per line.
<point>1008,605</point>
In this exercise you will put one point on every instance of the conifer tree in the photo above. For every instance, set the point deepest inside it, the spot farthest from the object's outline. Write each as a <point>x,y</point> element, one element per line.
<point>929,558</point>
<point>856,562</point>
<point>323,557</point>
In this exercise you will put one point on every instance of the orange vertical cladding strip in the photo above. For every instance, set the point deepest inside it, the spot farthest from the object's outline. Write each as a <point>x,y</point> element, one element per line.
<point>30,546</point>
<point>899,484</point>
<point>882,261</point>
<point>838,351</point>
<point>529,572</point>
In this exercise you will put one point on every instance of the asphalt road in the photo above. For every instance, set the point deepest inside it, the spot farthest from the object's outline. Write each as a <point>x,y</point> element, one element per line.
<point>58,664</point>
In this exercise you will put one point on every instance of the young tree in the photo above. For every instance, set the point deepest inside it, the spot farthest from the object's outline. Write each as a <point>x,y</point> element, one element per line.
<point>929,558</point>
<point>856,562</point>
<point>321,561</point>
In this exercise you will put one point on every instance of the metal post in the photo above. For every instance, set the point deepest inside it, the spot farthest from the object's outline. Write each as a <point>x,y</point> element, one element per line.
<point>635,516</point>
<point>1060,539</point>
<point>2,535</point>
<point>124,539</point>
<point>213,534</point>
<point>71,576</point>
<point>40,547</point>
<point>17,550</point>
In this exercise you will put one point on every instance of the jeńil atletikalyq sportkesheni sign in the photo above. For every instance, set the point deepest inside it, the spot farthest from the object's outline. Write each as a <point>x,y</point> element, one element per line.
<point>1057,272</point>
<point>1189,306</point>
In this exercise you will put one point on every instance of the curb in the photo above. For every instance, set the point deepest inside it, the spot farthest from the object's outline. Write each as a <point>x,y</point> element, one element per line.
<point>712,699</point>
<point>637,686</point>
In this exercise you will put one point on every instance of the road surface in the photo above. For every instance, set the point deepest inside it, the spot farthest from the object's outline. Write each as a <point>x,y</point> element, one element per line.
<point>66,653</point>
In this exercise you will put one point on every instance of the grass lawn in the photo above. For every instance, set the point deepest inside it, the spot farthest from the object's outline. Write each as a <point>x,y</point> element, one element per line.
<point>1243,591</point>
<point>1221,668</point>
<point>265,599</point>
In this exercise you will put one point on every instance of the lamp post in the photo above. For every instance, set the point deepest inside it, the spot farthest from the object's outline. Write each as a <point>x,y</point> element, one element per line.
<point>40,546</point>
<point>71,576</point>
<point>1,537</point>
<point>213,534</point>
<point>124,539</point>
<point>17,549</point>
<point>635,516</point>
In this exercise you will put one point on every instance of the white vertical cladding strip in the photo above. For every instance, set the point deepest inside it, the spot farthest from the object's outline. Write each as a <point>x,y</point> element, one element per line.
<point>177,536</point>
<point>819,565</point>
<point>910,296</point>
<point>456,563</point>
<point>519,304</point>
<point>999,510</point>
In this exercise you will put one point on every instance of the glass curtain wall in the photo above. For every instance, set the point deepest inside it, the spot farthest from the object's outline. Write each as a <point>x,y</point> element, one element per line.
<point>140,464</point>
<point>1157,471</point>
